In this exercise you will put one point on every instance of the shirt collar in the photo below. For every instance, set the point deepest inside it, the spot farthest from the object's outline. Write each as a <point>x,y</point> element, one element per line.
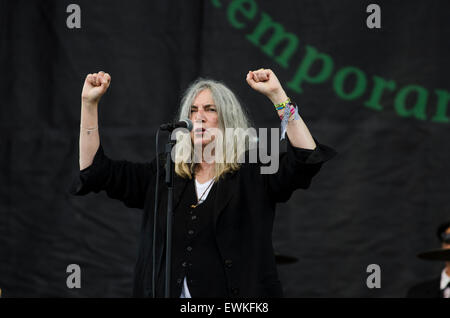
<point>445,279</point>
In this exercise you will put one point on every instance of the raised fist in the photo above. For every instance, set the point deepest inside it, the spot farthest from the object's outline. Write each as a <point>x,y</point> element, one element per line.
<point>265,82</point>
<point>95,86</point>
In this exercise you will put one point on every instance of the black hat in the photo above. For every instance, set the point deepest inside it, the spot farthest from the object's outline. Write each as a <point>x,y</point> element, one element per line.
<point>441,230</point>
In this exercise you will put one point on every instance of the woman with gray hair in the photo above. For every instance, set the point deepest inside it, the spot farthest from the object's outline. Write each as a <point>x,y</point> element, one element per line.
<point>223,208</point>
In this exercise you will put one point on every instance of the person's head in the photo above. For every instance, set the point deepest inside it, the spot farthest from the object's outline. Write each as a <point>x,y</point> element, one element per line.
<point>443,234</point>
<point>446,241</point>
<point>204,116</point>
<point>210,105</point>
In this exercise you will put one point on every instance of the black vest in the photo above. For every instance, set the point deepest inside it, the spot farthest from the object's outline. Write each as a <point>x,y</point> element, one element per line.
<point>195,254</point>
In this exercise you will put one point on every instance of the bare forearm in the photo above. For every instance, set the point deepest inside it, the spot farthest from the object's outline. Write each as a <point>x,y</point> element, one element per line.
<point>267,83</point>
<point>95,85</point>
<point>296,130</point>
<point>89,135</point>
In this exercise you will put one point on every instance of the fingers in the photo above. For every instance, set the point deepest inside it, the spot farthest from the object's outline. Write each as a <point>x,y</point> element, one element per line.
<point>105,79</point>
<point>250,79</point>
<point>90,79</point>
<point>261,75</point>
<point>98,79</point>
<point>93,79</point>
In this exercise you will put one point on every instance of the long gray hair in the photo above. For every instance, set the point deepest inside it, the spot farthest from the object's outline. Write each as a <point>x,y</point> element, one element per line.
<point>231,115</point>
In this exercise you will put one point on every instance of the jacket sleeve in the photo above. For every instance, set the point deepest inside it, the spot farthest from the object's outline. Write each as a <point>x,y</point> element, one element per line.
<point>296,169</point>
<point>122,180</point>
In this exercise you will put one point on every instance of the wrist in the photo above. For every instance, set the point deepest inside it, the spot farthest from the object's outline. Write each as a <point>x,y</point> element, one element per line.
<point>278,97</point>
<point>287,108</point>
<point>89,103</point>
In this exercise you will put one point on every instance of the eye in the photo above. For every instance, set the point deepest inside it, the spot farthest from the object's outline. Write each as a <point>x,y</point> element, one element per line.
<point>212,109</point>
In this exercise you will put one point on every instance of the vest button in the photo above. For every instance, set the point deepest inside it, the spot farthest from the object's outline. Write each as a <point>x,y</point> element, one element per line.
<point>194,217</point>
<point>191,232</point>
<point>235,291</point>
<point>184,264</point>
<point>179,281</point>
<point>189,248</point>
<point>228,263</point>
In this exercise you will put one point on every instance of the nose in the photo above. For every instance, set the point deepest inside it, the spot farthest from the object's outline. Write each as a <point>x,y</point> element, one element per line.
<point>199,116</point>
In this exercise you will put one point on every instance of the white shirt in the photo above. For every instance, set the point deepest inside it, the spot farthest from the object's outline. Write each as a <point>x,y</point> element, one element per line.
<point>200,189</point>
<point>445,279</point>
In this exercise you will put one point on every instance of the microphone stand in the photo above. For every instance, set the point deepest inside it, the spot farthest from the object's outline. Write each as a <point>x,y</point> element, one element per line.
<point>169,183</point>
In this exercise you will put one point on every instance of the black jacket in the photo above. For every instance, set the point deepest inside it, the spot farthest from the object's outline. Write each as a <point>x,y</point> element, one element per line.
<point>243,212</point>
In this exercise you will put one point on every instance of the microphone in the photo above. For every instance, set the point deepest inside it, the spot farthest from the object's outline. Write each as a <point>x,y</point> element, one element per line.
<point>185,123</point>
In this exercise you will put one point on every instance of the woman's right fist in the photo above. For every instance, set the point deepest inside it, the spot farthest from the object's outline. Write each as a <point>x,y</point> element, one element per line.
<point>95,86</point>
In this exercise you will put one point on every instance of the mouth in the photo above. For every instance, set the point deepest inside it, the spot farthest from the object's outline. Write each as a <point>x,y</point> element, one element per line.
<point>199,131</point>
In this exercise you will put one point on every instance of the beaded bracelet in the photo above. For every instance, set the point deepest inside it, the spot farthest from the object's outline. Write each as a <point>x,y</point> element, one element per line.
<point>282,105</point>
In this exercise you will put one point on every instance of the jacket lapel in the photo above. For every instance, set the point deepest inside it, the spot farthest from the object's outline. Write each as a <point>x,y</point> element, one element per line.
<point>225,191</point>
<point>179,185</point>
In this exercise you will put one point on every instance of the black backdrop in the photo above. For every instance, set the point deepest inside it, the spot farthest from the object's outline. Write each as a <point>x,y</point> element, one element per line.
<point>378,202</point>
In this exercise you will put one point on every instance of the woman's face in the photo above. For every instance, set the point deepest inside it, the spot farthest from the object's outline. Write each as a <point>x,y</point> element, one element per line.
<point>203,116</point>
<point>446,245</point>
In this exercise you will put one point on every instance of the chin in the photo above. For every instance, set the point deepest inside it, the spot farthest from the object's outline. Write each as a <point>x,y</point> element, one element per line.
<point>202,142</point>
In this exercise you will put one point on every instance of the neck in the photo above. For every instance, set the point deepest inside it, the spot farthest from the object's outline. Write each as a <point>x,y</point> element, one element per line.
<point>205,171</point>
<point>447,269</point>
<point>206,166</point>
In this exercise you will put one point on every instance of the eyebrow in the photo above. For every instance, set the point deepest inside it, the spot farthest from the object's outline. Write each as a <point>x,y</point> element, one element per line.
<point>204,106</point>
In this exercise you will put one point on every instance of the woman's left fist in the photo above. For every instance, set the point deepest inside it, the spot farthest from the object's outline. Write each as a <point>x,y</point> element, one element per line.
<point>265,82</point>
